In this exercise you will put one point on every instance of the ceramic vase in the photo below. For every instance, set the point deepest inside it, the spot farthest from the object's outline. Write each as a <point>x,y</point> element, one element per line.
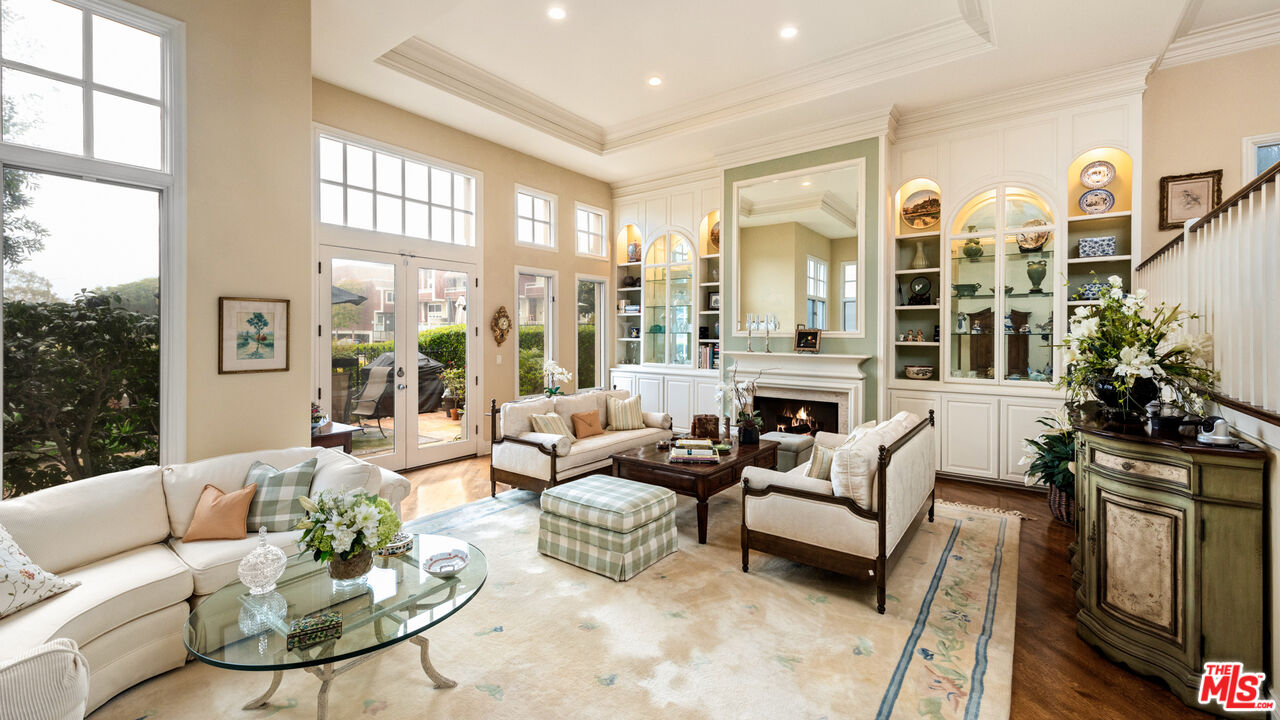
<point>972,248</point>
<point>1133,407</point>
<point>919,261</point>
<point>748,434</point>
<point>1036,270</point>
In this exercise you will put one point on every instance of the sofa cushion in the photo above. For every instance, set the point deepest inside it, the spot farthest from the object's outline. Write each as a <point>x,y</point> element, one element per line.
<point>275,505</point>
<point>609,502</point>
<point>602,402</point>
<point>586,424</point>
<point>337,471</point>
<point>214,563</point>
<point>514,416</point>
<point>625,414</point>
<point>111,593</point>
<point>550,424</point>
<point>48,682</point>
<point>74,524</point>
<point>598,448</point>
<point>219,515</point>
<point>855,464</point>
<point>22,582</point>
<point>820,463</point>
<point>566,406</point>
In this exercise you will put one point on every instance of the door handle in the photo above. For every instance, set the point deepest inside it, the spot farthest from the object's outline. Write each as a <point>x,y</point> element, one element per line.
<point>401,386</point>
<point>400,371</point>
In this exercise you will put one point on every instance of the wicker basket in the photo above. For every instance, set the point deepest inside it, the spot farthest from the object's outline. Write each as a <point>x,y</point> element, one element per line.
<point>1062,505</point>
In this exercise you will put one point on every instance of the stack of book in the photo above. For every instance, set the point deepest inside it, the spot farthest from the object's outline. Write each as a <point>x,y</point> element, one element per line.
<point>709,356</point>
<point>691,450</point>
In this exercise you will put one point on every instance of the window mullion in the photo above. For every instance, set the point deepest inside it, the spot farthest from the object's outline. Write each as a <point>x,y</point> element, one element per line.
<point>86,19</point>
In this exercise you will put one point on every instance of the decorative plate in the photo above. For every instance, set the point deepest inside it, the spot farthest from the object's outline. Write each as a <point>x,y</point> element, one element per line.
<point>922,209</point>
<point>1096,202</point>
<point>921,285</point>
<point>714,236</point>
<point>1033,241</point>
<point>399,545</point>
<point>446,564</point>
<point>1097,174</point>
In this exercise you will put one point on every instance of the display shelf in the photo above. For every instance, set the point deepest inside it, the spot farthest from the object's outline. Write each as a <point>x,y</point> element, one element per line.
<point>920,235</point>
<point>622,289</point>
<point>628,314</point>
<point>1026,295</point>
<point>1100,259</point>
<point>714,283</point>
<point>628,339</point>
<point>916,307</point>
<point>630,264</point>
<point>919,271</point>
<point>708,312</point>
<point>1100,216</point>
<point>1074,303</point>
<point>709,340</point>
<point>916,343</point>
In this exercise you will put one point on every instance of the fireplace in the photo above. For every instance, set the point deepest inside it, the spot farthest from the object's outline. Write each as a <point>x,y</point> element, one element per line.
<point>797,416</point>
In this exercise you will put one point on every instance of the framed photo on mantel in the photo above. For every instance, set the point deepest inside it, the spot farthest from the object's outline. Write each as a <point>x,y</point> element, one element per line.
<point>253,335</point>
<point>808,340</point>
<point>1185,197</point>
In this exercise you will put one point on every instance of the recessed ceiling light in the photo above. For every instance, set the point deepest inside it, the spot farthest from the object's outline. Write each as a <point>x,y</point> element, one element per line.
<point>788,32</point>
<point>655,81</point>
<point>555,13</point>
<point>806,183</point>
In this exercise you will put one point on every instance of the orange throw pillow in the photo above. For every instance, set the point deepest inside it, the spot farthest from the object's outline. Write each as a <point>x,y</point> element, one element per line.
<point>219,515</point>
<point>586,424</point>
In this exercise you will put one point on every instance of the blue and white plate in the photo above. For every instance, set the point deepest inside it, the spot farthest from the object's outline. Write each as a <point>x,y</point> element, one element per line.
<point>1098,173</point>
<point>1096,202</point>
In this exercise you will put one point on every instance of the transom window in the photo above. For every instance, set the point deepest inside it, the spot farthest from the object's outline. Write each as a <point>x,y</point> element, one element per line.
<point>534,219</point>
<point>590,222</point>
<point>81,83</point>
<point>370,189</point>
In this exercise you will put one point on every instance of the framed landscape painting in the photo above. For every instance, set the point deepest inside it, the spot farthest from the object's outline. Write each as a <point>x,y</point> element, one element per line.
<point>253,335</point>
<point>1183,197</point>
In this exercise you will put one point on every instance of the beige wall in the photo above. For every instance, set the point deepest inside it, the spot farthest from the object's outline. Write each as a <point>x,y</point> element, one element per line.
<point>503,168</point>
<point>1195,117</point>
<point>248,159</point>
<point>765,288</point>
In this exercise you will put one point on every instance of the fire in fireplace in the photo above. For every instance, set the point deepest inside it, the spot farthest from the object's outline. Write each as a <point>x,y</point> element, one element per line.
<point>800,417</point>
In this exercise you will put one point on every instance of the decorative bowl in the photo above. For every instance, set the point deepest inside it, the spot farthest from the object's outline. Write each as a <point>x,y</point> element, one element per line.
<point>399,545</point>
<point>1097,246</point>
<point>966,289</point>
<point>446,564</point>
<point>1033,241</point>
<point>918,372</point>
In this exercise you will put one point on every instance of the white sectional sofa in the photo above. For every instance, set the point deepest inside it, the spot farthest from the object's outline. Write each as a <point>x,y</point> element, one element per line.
<point>536,461</point>
<point>118,534</point>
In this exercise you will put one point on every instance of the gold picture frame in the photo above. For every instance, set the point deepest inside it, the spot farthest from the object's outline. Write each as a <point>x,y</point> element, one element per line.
<point>807,340</point>
<point>1184,197</point>
<point>253,335</point>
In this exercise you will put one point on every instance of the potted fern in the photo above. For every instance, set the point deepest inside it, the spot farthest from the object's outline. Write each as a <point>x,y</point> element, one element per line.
<point>1051,459</point>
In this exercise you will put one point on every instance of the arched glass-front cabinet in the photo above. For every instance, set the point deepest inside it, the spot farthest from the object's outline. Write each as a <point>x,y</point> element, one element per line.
<point>1003,291</point>
<point>668,300</point>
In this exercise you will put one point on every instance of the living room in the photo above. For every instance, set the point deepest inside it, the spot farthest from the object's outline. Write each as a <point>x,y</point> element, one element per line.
<point>829,360</point>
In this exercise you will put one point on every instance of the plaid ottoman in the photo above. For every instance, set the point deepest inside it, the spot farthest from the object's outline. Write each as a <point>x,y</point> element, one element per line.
<point>607,525</point>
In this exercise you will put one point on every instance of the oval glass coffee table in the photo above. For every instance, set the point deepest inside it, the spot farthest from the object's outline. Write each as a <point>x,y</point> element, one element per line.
<point>395,601</point>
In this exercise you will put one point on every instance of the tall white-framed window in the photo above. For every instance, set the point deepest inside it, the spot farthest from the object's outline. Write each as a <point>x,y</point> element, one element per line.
<point>590,223</point>
<point>849,296</point>
<point>816,290</point>
<point>366,187</point>
<point>91,151</point>
<point>535,218</point>
<point>535,327</point>
<point>1260,153</point>
<point>388,297</point>
<point>590,341</point>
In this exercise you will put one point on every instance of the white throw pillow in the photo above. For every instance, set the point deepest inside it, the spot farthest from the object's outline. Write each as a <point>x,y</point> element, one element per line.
<point>22,582</point>
<point>854,467</point>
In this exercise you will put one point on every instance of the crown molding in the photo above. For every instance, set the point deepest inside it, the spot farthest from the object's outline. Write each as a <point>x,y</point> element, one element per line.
<point>427,63</point>
<point>807,138</point>
<point>1226,38</point>
<point>1105,84</point>
<point>667,179</point>
<point>938,44</point>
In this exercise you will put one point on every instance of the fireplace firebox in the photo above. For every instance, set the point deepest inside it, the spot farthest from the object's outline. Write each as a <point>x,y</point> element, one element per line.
<point>799,417</point>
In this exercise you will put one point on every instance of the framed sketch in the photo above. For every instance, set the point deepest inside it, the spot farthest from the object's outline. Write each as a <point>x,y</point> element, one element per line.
<point>253,335</point>
<point>1183,197</point>
<point>713,301</point>
<point>808,340</point>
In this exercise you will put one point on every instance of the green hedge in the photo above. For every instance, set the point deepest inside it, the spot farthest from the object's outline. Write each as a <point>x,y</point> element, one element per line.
<point>447,343</point>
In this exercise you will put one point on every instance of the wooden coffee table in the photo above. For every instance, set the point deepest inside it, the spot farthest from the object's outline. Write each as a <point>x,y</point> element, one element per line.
<point>652,466</point>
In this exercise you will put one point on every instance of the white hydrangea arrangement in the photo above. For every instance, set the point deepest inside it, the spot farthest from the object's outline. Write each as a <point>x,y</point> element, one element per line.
<point>556,377</point>
<point>343,525</point>
<point>1122,340</point>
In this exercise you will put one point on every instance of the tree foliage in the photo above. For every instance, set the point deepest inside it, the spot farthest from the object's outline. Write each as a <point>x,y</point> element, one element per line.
<point>81,390</point>
<point>142,296</point>
<point>28,286</point>
<point>347,316</point>
<point>23,236</point>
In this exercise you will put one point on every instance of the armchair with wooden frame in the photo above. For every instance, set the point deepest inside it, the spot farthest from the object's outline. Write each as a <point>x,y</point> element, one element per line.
<point>803,519</point>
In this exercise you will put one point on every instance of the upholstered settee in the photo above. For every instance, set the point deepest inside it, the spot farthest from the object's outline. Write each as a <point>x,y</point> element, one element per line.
<point>880,488</point>
<point>536,461</point>
<point>119,536</point>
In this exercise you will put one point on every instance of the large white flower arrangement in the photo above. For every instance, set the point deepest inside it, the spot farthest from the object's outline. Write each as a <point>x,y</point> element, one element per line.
<point>1122,339</point>
<point>345,524</point>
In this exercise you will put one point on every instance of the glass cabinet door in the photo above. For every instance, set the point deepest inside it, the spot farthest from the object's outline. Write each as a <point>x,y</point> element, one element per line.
<point>973,275</point>
<point>655,302</point>
<point>1028,287</point>
<point>668,301</point>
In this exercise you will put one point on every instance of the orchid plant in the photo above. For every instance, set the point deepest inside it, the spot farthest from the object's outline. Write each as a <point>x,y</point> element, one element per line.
<point>343,525</point>
<point>741,395</point>
<point>556,377</point>
<point>1122,340</point>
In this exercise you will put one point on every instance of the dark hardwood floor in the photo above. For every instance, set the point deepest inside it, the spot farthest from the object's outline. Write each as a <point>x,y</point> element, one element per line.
<point>1055,675</point>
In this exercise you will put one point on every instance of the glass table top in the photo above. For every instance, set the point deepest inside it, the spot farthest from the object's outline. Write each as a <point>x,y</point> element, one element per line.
<point>395,601</point>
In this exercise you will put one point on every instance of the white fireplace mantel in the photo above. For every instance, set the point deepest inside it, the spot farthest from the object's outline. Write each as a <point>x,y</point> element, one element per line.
<point>783,374</point>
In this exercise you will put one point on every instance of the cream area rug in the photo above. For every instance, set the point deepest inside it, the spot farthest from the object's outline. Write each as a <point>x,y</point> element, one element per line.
<point>690,637</point>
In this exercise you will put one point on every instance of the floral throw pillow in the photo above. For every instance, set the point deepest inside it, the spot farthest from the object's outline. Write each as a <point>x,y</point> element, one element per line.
<point>22,582</point>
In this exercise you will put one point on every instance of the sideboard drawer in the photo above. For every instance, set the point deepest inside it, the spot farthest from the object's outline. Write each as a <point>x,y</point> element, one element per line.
<point>1162,472</point>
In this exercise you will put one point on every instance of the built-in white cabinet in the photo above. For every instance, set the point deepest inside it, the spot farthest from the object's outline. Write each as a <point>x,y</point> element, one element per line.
<point>650,390</point>
<point>1018,418</point>
<point>920,405</point>
<point>679,394</point>
<point>969,435</point>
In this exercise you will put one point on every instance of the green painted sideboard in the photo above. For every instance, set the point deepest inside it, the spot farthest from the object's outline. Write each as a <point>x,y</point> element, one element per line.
<point>1170,553</point>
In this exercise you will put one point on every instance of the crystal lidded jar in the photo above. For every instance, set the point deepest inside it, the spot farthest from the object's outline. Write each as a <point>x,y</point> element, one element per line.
<point>260,569</point>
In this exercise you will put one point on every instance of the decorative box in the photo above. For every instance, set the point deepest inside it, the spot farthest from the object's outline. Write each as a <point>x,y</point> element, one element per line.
<point>312,629</point>
<point>1093,290</point>
<point>1097,246</point>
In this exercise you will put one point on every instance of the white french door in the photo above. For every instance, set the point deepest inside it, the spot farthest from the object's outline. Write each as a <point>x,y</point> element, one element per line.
<point>397,357</point>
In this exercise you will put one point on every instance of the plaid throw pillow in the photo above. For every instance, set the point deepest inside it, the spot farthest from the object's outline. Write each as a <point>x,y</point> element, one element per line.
<point>276,505</point>
<point>551,423</point>
<point>820,463</point>
<point>625,414</point>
